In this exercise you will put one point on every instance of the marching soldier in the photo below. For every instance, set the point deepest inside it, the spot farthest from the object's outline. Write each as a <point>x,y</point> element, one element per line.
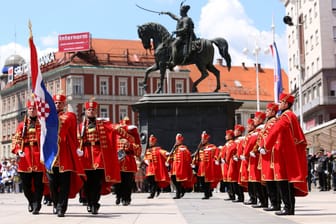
<point>204,158</point>
<point>289,155</point>
<point>156,170</point>
<point>129,149</point>
<point>181,172</point>
<point>64,177</point>
<point>26,146</point>
<point>98,155</point>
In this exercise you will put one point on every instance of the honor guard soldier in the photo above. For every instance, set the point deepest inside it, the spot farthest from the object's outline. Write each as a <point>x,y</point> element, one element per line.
<point>267,164</point>
<point>244,167</point>
<point>180,173</point>
<point>98,155</point>
<point>129,148</point>
<point>208,167</point>
<point>64,177</point>
<point>27,148</point>
<point>156,170</point>
<point>289,155</point>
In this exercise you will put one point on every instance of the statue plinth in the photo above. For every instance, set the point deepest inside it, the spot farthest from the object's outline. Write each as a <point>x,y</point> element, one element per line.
<point>165,115</point>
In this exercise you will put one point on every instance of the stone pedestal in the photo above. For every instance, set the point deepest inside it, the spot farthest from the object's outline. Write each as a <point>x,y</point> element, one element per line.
<point>165,115</point>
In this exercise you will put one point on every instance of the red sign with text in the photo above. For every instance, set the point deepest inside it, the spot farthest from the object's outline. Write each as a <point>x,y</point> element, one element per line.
<point>74,42</point>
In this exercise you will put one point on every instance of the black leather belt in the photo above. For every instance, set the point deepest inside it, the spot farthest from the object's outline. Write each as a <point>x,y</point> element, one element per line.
<point>30,144</point>
<point>91,143</point>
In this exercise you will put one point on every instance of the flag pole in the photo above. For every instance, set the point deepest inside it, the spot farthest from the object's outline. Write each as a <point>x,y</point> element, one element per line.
<point>29,70</point>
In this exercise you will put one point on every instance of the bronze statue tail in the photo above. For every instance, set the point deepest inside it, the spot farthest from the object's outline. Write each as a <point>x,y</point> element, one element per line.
<point>223,48</point>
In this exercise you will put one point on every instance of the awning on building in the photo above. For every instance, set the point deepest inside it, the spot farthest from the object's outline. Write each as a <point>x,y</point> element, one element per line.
<point>322,136</point>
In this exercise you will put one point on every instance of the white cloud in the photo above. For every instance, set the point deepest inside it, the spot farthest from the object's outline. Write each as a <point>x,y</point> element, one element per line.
<point>50,40</point>
<point>229,20</point>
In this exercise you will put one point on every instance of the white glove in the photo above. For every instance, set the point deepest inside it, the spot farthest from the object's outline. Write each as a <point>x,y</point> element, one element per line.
<point>21,154</point>
<point>167,153</point>
<point>242,157</point>
<point>235,158</point>
<point>192,165</point>
<point>167,164</point>
<point>80,152</point>
<point>146,161</point>
<point>326,172</point>
<point>216,162</point>
<point>262,151</point>
<point>252,154</point>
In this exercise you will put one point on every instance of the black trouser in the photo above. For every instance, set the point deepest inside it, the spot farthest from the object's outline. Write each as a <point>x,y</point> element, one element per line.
<point>93,185</point>
<point>123,189</point>
<point>239,191</point>
<point>59,184</point>
<point>287,195</point>
<point>206,187</point>
<point>273,193</point>
<point>178,186</point>
<point>34,198</point>
<point>252,192</point>
<point>322,181</point>
<point>261,193</point>
<point>231,191</point>
<point>153,187</point>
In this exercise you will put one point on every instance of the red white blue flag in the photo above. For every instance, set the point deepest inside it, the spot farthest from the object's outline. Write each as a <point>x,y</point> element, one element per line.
<point>277,73</point>
<point>46,112</point>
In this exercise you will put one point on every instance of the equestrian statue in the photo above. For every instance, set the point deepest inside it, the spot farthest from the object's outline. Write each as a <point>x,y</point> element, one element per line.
<point>184,49</point>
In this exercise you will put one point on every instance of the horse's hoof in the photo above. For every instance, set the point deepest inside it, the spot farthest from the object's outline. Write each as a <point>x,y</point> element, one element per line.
<point>194,90</point>
<point>216,91</point>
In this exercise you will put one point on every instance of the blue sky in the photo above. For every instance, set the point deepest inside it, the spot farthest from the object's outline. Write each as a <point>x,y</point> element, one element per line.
<point>241,22</point>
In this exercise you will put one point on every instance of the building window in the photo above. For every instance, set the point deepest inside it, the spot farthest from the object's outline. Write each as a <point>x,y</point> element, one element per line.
<point>334,5</point>
<point>334,32</point>
<point>74,85</point>
<point>320,119</point>
<point>179,86</point>
<point>103,86</point>
<point>122,112</point>
<point>51,87</point>
<point>57,86</point>
<point>123,87</point>
<point>141,91</point>
<point>238,118</point>
<point>332,88</point>
<point>103,111</point>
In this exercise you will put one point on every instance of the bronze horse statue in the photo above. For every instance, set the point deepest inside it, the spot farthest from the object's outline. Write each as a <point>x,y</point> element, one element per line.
<point>202,54</point>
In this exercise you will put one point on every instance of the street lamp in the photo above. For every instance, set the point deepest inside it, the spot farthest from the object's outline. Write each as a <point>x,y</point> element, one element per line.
<point>288,20</point>
<point>256,52</point>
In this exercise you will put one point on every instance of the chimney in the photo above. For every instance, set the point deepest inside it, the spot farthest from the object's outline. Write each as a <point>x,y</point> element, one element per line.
<point>259,67</point>
<point>244,66</point>
<point>219,61</point>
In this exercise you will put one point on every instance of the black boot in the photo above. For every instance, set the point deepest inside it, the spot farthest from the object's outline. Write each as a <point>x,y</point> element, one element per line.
<point>286,198</point>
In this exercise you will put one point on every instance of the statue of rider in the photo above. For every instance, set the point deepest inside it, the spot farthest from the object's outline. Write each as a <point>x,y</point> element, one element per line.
<point>184,35</point>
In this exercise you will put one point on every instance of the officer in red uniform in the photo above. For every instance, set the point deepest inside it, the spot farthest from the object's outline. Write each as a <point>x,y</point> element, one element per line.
<point>180,160</point>
<point>227,151</point>
<point>25,145</point>
<point>267,172</point>
<point>156,170</point>
<point>64,178</point>
<point>254,169</point>
<point>205,160</point>
<point>129,148</point>
<point>244,167</point>
<point>289,154</point>
<point>236,162</point>
<point>98,155</point>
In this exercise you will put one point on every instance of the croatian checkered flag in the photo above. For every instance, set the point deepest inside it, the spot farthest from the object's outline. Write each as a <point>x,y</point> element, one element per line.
<point>46,110</point>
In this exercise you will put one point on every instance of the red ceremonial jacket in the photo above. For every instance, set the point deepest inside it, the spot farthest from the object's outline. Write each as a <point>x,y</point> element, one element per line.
<point>266,161</point>
<point>254,173</point>
<point>30,145</point>
<point>155,158</point>
<point>67,158</point>
<point>290,161</point>
<point>180,163</point>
